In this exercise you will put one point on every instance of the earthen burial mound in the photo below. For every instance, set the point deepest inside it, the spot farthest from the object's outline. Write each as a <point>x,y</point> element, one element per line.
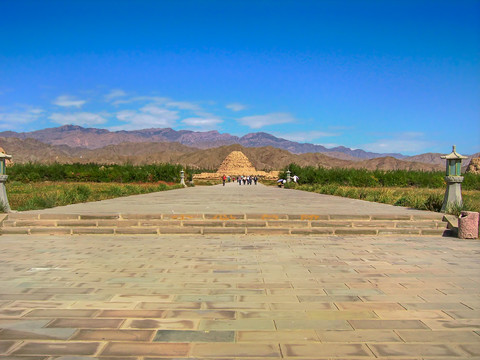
<point>236,164</point>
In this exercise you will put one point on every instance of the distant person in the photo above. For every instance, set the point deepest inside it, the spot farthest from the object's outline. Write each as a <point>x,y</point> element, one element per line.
<point>295,178</point>
<point>255,179</point>
<point>281,182</point>
<point>224,178</point>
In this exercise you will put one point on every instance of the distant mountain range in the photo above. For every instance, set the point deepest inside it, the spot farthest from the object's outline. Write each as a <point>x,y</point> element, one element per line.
<point>91,138</point>
<point>67,144</point>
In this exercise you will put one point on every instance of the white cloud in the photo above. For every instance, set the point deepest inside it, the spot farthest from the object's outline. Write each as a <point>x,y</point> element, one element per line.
<point>82,119</point>
<point>183,105</point>
<point>10,121</point>
<point>236,107</point>
<point>115,93</point>
<point>305,136</point>
<point>149,116</point>
<point>204,123</point>
<point>68,101</point>
<point>259,121</point>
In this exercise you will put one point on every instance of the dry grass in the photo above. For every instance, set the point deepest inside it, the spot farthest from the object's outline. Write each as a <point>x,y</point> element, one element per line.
<point>41,195</point>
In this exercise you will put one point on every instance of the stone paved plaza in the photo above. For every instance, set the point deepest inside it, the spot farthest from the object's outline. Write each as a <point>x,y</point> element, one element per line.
<point>239,297</point>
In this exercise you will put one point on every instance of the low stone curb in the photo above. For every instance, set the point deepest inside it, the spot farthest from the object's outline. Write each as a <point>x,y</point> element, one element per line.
<point>205,224</point>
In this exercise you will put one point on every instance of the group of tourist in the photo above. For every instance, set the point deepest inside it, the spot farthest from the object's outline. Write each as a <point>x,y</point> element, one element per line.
<point>246,180</point>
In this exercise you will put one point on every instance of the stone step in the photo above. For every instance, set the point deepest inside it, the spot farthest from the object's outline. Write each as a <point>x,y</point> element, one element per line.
<point>258,224</point>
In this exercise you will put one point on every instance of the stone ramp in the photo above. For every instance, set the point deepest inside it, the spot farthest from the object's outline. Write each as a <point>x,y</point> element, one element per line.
<point>238,224</point>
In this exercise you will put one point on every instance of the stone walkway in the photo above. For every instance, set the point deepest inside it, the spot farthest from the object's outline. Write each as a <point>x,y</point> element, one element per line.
<point>225,297</point>
<point>233,199</point>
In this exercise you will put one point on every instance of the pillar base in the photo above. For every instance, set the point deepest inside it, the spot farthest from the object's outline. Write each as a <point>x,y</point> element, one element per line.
<point>453,194</point>
<point>4,205</point>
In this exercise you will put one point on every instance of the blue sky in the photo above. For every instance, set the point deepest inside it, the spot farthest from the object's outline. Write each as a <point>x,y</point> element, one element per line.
<point>384,76</point>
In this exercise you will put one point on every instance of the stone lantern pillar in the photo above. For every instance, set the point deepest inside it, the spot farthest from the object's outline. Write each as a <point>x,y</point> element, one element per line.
<point>3,179</point>
<point>182,178</point>
<point>288,176</point>
<point>453,194</point>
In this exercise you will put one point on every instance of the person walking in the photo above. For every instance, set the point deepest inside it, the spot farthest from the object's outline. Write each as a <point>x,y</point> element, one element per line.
<point>224,178</point>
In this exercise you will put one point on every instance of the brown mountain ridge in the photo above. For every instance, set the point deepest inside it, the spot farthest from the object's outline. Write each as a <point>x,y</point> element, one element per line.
<point>263,158</point>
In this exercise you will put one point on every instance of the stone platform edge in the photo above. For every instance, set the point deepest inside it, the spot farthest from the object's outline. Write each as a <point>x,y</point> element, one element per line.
<point>206,224</point>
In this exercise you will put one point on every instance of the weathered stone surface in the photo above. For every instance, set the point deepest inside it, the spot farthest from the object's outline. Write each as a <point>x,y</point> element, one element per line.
<point>474,166</point>
<point>468,225</point>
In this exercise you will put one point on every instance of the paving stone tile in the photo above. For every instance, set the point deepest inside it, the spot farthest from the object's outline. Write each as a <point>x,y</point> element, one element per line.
<point>411,314</point>
<point>331,224</point>
<point>241,324</point>
<point>166,324</point>
<point>236,306</point>
<point>58,348</point>
<point>200,314</point>
<point>12,313</point>
<point>460,324</point>
<point>394,350</point>
<point>355,232</point>
<point>277,336</point>
<point>326,350</point>
<point>25,296</point>
<point>237,350</point>
<point>132,314</point>
<point>439,336</point>
<point>387,324</point>
<point>187,336</point>
<point>93,231</point>
<point>173,305</point>
<point>326,298</point>
<point>310,231</point>
<point>66,290</point>
<point>50,231</point>
<point>225,230</point>
<point>464,314</point>
<point>23,324</point>
<point>14,231</point>
<point>205,298</point>
<point>142,216</point>
<point>137,230</point>
<point>471,349</point>
<point>179,230</point>
<point>5,346</point>
<point>114,335</point>
<point>86,323</point>
<point>271,315</point>
<point>145,349</point>
<point>224,217</point>
<point>267,216</point>
<point>303,306</point>
<point>36,334</point>
<point>358,336</point>
<point>368,306</point>
<point>267,231</point>
<point>52,313</point>
<point>434,306</point>
<point>312,324</point>
<point>12,357</point>
<point>341,315</point>
<point>46,216</point>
